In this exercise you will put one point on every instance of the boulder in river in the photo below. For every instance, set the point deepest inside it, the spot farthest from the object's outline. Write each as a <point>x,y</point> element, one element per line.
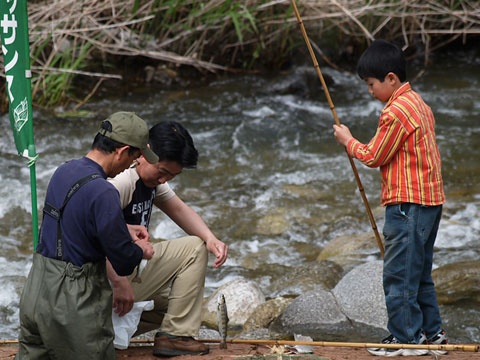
<point>273,224</point>
<point>319,275</point>
<point>353,311</point>
<point>315,314</point>
<point>351,250</point>
<point>457,281</point>
<point>361,297</point>
<point>265,313</point>
<point>241,296</point>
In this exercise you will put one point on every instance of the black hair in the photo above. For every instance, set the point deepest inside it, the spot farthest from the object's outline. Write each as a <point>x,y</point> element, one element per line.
<point>107,145</point>
<point>381,58</point>
<point>172,142</point>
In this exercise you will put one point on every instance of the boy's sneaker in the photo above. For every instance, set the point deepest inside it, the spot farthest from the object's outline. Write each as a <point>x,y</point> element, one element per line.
<point>439,339</point>
<point>398,352</point>
<point>383,351</point>
<point>170,345</point>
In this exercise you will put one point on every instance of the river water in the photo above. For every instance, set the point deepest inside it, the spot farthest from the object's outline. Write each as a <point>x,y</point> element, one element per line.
<point>271,181</point>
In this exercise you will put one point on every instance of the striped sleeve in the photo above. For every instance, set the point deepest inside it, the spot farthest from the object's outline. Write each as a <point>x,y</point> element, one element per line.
<point>390,136</point>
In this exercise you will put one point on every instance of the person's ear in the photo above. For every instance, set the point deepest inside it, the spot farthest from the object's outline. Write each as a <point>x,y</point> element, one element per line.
<point>392,78</point>
<point>122,150</point>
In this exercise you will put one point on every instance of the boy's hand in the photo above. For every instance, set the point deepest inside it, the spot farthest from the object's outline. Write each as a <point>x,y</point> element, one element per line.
<point>342,134</point>
<point>219,249</point>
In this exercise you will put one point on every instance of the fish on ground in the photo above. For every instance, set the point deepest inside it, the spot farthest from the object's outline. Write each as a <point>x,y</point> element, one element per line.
<point>222,318</point>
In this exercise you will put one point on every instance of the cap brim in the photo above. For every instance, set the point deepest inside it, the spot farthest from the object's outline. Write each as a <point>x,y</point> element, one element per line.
<point>148,154</point>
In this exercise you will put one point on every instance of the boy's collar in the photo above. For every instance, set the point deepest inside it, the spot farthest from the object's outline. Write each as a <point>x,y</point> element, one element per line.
<point>403,88</point>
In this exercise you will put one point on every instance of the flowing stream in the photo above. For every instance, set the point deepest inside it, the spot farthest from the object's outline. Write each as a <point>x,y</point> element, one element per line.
<point>271,181</point>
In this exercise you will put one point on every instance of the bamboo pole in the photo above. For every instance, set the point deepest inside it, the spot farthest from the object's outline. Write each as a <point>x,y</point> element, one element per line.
<point>9,342</point>
<point>446,347</point>
<point>334,112</point>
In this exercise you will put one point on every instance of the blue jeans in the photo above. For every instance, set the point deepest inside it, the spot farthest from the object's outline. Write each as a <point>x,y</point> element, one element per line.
<point>410,231</point>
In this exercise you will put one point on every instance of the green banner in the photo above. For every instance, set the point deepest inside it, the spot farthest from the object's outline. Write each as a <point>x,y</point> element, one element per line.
<point>16,56</point>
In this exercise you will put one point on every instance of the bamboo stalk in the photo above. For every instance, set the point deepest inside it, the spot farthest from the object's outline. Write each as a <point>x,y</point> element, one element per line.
<point>334,112</point>
<point>8,342</point>
<point>78,72</point>
<point>96,28</point>
<point>446,347</point>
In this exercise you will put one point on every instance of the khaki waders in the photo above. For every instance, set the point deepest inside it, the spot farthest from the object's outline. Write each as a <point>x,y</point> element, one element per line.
<point>66,312</point>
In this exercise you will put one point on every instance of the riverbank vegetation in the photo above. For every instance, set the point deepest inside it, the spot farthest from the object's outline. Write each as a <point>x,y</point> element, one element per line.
<point>76,40</point>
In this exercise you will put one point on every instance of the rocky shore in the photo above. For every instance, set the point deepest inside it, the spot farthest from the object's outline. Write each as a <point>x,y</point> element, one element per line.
<point>328,303</point>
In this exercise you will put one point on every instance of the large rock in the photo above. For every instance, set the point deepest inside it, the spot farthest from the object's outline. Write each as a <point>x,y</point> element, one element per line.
<point>255,334</point>
<point>457,281</point>
<point>265,313</point>
<point>361,297</point>
<point>353,311</point>
<point>274,223</point>
<point>320,275</point>
<point>350,250</point>
<point>241,297</point>
<point>315,314</point>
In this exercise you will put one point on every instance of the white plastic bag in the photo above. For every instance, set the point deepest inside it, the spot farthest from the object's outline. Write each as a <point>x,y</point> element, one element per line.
<point>126,325</point>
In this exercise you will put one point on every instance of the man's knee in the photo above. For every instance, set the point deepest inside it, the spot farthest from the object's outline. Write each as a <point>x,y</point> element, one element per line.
<point>201,249</point>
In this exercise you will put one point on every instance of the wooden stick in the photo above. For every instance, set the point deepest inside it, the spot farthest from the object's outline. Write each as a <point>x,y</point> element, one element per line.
<point>446,347</point>
<point>8,342</point>
<point>79,72</point>
<point>334,112</point>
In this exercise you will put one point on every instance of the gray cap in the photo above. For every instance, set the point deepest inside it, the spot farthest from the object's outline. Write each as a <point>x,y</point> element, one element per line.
<point>129,129</point>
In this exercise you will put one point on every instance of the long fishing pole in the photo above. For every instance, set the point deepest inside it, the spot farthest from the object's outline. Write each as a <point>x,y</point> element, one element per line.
<point>446,347</point>
<point>334,112</point>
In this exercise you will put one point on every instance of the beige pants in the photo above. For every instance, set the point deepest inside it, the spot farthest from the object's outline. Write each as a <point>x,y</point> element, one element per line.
<point>174,278</point>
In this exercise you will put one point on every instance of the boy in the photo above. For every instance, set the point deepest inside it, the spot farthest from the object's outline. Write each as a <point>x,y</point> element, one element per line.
<point>405,149</point>
<point>175,276</point>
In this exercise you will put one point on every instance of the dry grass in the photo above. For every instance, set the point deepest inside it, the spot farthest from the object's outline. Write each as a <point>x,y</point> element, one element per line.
<point>69,38</point>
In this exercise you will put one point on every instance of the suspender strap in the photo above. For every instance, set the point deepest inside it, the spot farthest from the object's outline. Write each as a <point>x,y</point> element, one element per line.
<point>51,210</point>
<point>57,213</point>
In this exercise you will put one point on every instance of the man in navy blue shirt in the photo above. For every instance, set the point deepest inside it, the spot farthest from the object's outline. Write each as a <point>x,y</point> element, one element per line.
<point>66,305</point>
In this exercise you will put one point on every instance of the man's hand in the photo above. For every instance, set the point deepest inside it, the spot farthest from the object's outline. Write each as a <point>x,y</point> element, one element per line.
<point>123,297</point>
<point>147,248</point>
<point>138,232</point>
<point>219,249</point>
<point>141,237</point>
<point>342,134</point>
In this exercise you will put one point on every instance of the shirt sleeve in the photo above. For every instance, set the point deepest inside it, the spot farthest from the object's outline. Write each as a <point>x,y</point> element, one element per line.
<point>163,192</point>
<point>113,234</point>
<point>390,136</point>
<point>125,185</point>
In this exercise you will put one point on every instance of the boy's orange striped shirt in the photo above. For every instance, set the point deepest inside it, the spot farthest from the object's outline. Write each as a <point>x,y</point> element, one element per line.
<point>405,149</point>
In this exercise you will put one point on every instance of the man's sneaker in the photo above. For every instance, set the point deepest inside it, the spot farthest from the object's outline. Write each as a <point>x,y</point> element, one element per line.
<point>170,345</point>
<point>439,339</point>
<point>398,352</point>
